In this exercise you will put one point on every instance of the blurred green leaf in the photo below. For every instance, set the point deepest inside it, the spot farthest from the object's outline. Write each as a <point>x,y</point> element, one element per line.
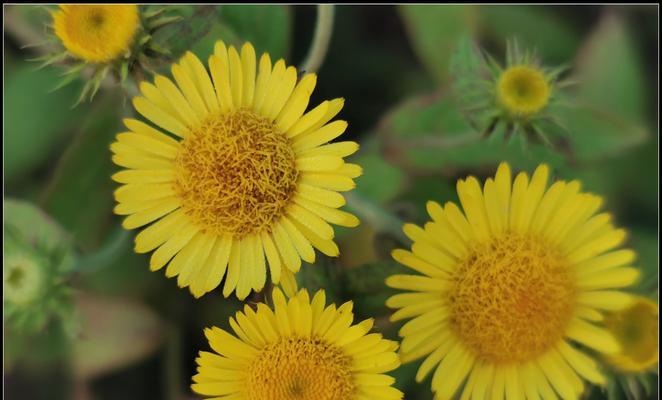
<point>610,74</point>
<point>115,333</point>
<point>428,133</point>
<point>204,47</point>
<point>595,134</point>
<point>34,225</point>
<point>380,181</point>
<point>82,177</point>
<point>36,120</point>
<point>534,27</point>
<point>434,31</point>
<point>423,189</point>
<point>645,243</point>
<point>268,28</point>
<point>182,35</point>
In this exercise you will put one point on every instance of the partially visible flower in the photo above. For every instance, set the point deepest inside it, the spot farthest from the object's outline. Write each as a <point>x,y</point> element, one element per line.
<point>232,177</point>
<point>297,350</point>
<point>97,33</point>
<point>514,98</point>
<point>34,271</point>
<point>506,287</point>
<point>98,40</point>
<point>636,329</point>
<point>632,372</point>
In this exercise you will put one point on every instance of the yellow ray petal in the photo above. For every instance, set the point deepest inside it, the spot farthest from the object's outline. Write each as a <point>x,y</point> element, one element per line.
<point>236,76</point>
<point>201,79</point>
<point>218,258</point>
<point>220,73</point>
<point>592,336</point>
<point>159,117</point>
<point>297,103</point>
<point>188,88</point>
<point>248,72</point>
<point>272,257</point>
<point>263,77</point>
<point>160,231</point>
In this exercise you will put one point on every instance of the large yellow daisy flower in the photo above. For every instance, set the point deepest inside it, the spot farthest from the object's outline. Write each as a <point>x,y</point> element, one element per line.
<point>505,288</point>
<point>96,33</point>
<point>301,350</point>
<point>249,178</point>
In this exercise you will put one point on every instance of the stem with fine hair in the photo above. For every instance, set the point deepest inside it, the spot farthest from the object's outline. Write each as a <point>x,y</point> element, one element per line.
<point>321,38</point>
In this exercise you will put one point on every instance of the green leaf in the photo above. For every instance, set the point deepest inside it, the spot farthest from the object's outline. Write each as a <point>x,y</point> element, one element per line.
<point>33,225</point>
<point>268,28</point>
<point>428,133</point>
<point>534,27</point>
<point>423,189</point>
<point>182,35</point>
<point>610,73</point>
<point>595,134</point>
<point>434,31</point>
<point>220,31</point>
<point>645,243</point>
<point>115,333</point>
<point>31,139</point>
<point>82,177</point>
<point>381,181</point>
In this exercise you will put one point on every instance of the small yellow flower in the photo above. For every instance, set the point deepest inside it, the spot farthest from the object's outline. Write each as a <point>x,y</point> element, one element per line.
<point>248,179</point>
<point>504,288</point>
<point>636,329</point>
<point>523,90</point>
<point>299,350</point>
<point>97,33</point>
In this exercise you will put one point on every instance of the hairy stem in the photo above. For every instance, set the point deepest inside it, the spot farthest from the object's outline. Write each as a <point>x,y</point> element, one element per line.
<point>321,38</point>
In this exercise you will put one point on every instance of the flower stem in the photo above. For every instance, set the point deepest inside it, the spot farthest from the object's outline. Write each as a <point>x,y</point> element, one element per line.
<point>378,217</point>
<point>172,367</point>
<point>321,38</point>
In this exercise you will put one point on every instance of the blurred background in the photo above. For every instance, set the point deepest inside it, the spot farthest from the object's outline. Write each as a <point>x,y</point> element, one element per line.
<point>111,329</point>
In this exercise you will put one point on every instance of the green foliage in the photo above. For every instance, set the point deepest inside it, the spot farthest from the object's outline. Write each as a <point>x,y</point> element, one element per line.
<point>380,181</point>
<point>535,27</point>
<point>434,32</point>
<point>30,138</point>
<point>85,165</point>
<point>429,133</point>
<point>37,259</point>
<point>268,28</point>
<point>610,74</point>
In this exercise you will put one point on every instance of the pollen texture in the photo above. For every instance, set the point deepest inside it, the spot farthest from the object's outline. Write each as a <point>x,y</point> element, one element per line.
<point>300,369</point>
<point>511,299</point>
<point>235,173</point>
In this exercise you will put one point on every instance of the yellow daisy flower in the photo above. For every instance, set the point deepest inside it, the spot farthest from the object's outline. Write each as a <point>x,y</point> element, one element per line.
<point>505,288</point>
<point>300,350</point>
<point>523,90</point>
<point>97,33</point>
<point>251,178</point>
<point>636,329</point>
